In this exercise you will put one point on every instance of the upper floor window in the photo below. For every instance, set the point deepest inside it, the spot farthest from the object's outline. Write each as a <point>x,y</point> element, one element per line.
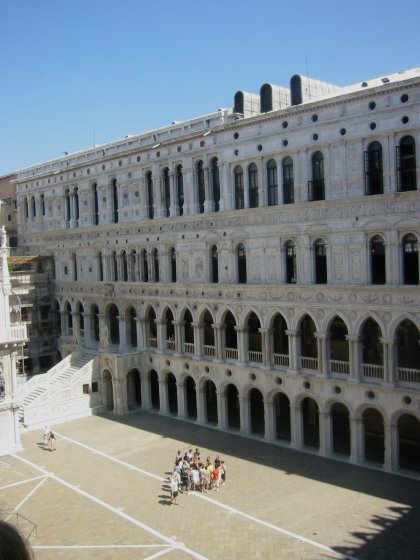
<point>150,200</point>
<point>43,204</point>
<point>320,249</point>
<point>144,266</point>
<point>167,191</point>
<point>288,181</point>
<point>25,208</point>
<point>410,259</point>
<point>67,206</point>
<point>253,185</point>
<point>33,207</point>
<point>406,164</point>
<point>201,186</point>
<point>114,188</point>
<point>316,187</point>
<point>124,263</point>
<point>374,181</point>
<point>241,256</point>
<point>100,268</point>
<point>214,264</point>
<point>94,188</point>
<point>290,261</point>
<point>377,252</point>
<point>180,189</point>
<point>239,188</point>
<point>173,265</point>
<point>272,187</point>
<point>155,259</point>
<point>215,179</point>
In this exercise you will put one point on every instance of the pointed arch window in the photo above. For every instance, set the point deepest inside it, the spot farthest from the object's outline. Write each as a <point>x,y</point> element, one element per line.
<point>288,181</point>
<point>239,188</point>
<point>173,265</point>
<point>253,185</point>
<point>145,267</point>
<point>95,204</point>
<point>374,182</point>
<point>406,165</point>
<point>155,259</point>
<point>272,186</point>
<point>42,204</point>
<point>100,268</point>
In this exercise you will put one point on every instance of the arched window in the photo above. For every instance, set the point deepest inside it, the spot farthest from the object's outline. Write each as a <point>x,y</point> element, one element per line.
<point>76,206</point>
<point>180,189</point>
<point>288,181</point>
<point>371,343</point>
<point>272,187</point>
<point>320,253</point>
<point>94,188</point>
<point>100,267</point>
<point>239,188</point>
<point>155,259</point>
<point>33,207</point>
<point>150,199</point>
<point>114,266</point>
<point>406,165</point>
<point>201,186</point>
<point>316,187</point>
<point>167,191</point>
<point>410,263</point>
<point>377,260</point>
<point>42,204</point>
<point>74,259</point>
<point>374,181</point>
<point>241,256</point>
<point>114,188</point>
<point>124,266</point>
<point>253,185</point>
<point>25,208</point>
<point>173,265</point>
<point>67,213</point>
<point>290,262</point>
<point>215,179</point>
<point>408,350</point>
<point>214,265</point>
<point>144,266</point>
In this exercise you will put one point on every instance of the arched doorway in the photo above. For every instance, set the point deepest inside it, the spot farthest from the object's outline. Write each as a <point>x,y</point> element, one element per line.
<point>108,393</point>
<point>191,397</point>
<point>172,393</point>
<point>211,402</point>
<point>133,389</point>
<point>154,389</point>
<point>409,442</point>
<point>256,410</point>
<point>340,426</point>
<point>310,424</point>
<point>281,407</point>
<point>233,407</point>
<point>373,429</point>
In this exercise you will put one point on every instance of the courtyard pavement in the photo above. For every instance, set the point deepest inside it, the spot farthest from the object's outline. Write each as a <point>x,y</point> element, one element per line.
<point>104,495</point>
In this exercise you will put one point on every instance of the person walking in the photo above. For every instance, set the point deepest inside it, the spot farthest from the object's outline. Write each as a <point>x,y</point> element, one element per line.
<point>51,441</point>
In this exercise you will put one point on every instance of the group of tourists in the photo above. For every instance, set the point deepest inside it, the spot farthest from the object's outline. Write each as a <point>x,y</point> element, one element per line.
<point>192,473</point>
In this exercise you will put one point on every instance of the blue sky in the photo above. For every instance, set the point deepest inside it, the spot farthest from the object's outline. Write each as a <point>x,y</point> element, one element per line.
<point>78,72</point>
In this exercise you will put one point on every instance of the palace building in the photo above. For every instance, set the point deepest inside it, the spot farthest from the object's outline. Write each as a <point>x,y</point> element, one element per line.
<point>255,270</point>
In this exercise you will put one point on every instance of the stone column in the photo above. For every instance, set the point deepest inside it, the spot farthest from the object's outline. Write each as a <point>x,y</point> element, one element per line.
<point>201,419</point>
<point>356,440</point>
<point>221,410</point>
<point>390,365</point>
<point>296,427</point>
<point>160,327</point>
<point>225,182</point>
<point>218,342</point>
<point>355,362</point>
<point>198,339</point>
<point>270,428</point>
<point>262,184</point>
<point>145,392</point>
<point>122,329</point>
<point>242,339</point>
<point>266,348</point>
<point>325,433</point>
<point>174,208</point>
<point>179,338</point>
<point>391,451</point>
<point>244,414</point>
<point>321,347</point>
<point>120,397</point>
<point>180,393</point>
<point>163,397</point>
<point>294,350</point>
<point>209,201</point>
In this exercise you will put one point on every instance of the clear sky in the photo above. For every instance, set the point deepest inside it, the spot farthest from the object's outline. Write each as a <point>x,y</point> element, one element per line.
<point>74,73</point>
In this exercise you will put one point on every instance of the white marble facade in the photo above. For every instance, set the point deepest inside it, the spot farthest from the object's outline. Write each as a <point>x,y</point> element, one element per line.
<point>256,271</point>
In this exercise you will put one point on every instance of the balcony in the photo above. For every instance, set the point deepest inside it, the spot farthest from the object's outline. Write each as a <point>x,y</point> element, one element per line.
<point>15,334</point>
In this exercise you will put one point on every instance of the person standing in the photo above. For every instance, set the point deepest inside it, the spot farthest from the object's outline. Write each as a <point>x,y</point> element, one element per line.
<point>174,489</point>
<point>51,441</point>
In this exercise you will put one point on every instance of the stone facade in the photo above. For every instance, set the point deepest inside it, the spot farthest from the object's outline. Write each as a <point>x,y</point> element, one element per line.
<point>255,269</point>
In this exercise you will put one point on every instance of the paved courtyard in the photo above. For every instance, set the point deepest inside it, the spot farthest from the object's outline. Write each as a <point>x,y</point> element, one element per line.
<point>104,494</point>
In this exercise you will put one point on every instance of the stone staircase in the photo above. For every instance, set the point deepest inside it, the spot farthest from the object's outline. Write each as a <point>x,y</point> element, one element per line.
<point>49,397</point>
